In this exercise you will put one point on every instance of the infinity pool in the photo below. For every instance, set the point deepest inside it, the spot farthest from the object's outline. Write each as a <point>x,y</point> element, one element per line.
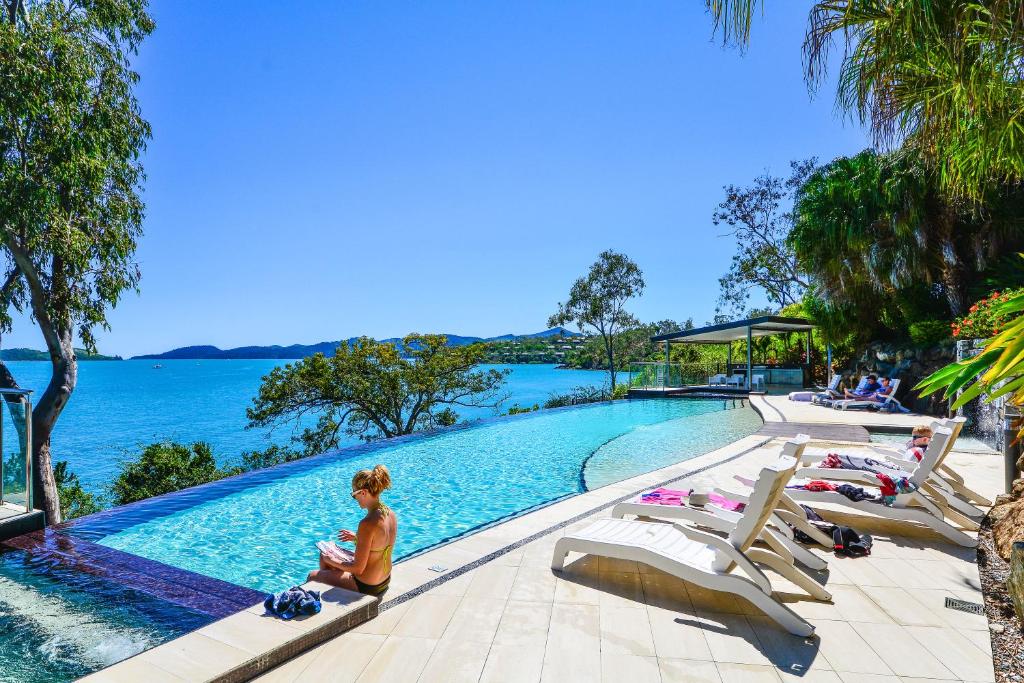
<point>258,530</point>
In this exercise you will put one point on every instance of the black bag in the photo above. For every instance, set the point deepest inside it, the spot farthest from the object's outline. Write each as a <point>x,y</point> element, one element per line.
<point>848,542</point>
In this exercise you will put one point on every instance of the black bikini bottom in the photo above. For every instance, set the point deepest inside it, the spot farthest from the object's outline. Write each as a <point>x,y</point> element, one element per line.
<point>372,589</point>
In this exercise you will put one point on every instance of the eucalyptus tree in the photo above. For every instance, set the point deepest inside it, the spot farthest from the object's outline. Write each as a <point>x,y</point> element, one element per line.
<point>598,301</point>
<point>70,213</point>
<point>759,219</point>
<point>374,390</point>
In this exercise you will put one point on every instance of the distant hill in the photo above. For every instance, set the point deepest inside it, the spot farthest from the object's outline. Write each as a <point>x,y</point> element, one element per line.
<point>327,348</point>
<point>32,354</point>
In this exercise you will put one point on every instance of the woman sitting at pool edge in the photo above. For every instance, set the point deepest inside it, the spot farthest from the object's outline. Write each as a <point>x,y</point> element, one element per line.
<point>370,571</point>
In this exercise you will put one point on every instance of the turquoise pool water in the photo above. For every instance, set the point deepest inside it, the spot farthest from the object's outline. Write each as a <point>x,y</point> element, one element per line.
<point>120,406</point>
<point>259,531</point>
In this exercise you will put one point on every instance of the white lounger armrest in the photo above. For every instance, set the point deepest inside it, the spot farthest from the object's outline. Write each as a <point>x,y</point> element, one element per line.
<point>732,495</point>
<point>723,545</point>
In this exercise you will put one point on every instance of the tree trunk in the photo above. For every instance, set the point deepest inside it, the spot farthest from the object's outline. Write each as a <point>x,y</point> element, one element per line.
<point>44,418</point>
<point>608,345</point>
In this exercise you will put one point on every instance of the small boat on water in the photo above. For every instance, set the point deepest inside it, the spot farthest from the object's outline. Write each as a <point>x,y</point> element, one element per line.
<point>157,366</point>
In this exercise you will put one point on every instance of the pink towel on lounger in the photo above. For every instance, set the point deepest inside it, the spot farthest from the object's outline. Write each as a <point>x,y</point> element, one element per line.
<point>665,496</point>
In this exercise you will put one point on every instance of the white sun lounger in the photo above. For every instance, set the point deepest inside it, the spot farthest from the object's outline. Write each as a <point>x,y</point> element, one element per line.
<point>847,403</point>
<point>942,475</point>
<point>701,558</point>
<point>778,536</point>
<point>914,506</point>
<point>954,504</point>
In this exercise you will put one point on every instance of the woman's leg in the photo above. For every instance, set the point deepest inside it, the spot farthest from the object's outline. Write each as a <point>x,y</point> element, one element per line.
<point>333,577</point>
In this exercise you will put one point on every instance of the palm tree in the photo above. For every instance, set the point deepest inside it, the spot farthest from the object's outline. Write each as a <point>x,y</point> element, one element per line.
<point>947,76</point>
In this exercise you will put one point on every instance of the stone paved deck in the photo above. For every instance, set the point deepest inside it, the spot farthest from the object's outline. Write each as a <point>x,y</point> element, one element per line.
<point>510,618</point>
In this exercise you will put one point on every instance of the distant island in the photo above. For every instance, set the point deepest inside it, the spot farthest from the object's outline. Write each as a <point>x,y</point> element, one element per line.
<point>327,348</point>
<point>32,354</point>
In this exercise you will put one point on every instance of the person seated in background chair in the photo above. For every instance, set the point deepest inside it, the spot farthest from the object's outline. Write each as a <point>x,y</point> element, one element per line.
<point>866,388</point>
<point>883,391</point>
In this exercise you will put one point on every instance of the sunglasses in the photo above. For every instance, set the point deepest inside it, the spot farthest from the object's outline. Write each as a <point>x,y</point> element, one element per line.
<point>357,492</point>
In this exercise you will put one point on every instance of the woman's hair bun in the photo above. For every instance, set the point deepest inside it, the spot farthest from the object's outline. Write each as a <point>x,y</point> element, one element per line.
<point>376,481</point>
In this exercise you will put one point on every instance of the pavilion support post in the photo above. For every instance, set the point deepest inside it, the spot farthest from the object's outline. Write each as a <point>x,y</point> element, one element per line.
<point>728,359</point>
<point>828,356</point>
<point>668,365</point>
<point>807,359</point>
<point>750,359</point>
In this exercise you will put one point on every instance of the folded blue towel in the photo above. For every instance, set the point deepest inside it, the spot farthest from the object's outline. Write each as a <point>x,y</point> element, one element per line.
<point>293,602</point>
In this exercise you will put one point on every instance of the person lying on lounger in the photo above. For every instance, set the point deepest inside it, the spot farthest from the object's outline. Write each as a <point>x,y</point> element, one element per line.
<point>369,570</point>
<point>919,440</point>
<point>864,389</point>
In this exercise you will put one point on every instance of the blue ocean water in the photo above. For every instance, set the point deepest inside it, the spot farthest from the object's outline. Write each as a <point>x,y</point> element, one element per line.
<point>120,406</point>
<point>260,530</point>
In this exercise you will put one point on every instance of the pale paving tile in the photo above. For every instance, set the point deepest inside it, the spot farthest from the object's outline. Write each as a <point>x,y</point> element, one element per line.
<point>384,623</point>
<point>954,575</point>
<point>475,620</point>
<point>688,671</point>
<point>399,660</point>
<point>428,616</point>
<point>859,572</point>
<point>719,602</point>
<point>900,651</point>
<point>903,606</point>
<point>666,591</point>
<point>534,585</point>
<point>132,670</point>
<point>625,630</point>
<point>512,664</point>
<point>847,677</point>
<point>616,668</point>
<point>620,589</point>
<point>846,651</point>
<point>614,564</point>
<point>457,586</point>
<point>747,673</point>
<point>454,661</point>
<point>250,633</point>
<point>678,635</point>
<point>524,624</point>
<point>957,653</point>
<point>812,676</point>
<point>573,650</point>
<point>342,660</point>
<point>906,574</point>
<point>788,653</point>
<point>195,657</point>
<point>731,639</point>
<point>577,589</point>
<point>288,672</point>
<point>855,604</point>
<point>492,581</point>
<point>981,639</point>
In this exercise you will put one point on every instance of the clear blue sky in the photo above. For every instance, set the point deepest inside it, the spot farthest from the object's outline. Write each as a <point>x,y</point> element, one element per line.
<point>326,169</point>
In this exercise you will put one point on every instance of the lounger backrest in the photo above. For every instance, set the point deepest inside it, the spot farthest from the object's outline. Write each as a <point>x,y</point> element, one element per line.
<point>936,448</point>
<point>956,425</point>
<point>834,384</point>
<point>768,488</point>
<point>892,394</point>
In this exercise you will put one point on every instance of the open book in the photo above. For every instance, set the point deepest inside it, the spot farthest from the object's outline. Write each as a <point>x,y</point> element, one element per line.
<point>333,552</point>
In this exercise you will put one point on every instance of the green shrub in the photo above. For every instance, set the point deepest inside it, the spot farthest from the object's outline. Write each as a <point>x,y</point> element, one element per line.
<point>74,500</point>
<point>164,468</point>
<point>929,332</point>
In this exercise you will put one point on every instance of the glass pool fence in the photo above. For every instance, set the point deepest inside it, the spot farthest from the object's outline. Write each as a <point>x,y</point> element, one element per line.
<point>15,449</point>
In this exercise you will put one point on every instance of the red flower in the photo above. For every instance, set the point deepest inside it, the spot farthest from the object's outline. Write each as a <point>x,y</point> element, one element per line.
<point>974,308</point>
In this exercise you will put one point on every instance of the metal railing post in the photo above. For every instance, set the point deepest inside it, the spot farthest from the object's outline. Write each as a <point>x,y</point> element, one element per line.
<point>28,453</point>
